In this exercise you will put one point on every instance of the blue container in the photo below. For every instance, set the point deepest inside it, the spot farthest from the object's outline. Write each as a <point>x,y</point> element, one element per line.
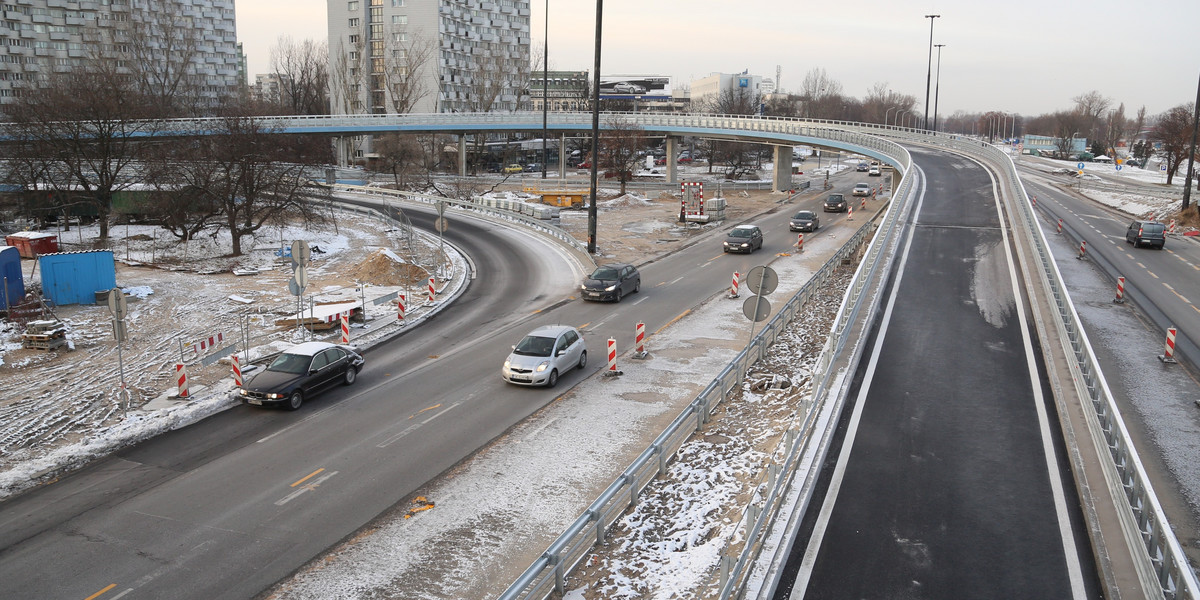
<point>11,277</point>
<point>75,277</point>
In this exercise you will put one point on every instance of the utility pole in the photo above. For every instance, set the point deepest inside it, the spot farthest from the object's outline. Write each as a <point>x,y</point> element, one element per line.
<point>1187,182</point>
<point>937,85</point>
<point>929,66</point>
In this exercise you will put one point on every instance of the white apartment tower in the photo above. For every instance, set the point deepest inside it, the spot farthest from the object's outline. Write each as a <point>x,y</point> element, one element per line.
<point>146,37</point>
<point>420,56</point>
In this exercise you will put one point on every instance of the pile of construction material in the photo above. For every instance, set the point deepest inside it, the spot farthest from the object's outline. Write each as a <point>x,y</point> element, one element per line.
<point>44,335</point>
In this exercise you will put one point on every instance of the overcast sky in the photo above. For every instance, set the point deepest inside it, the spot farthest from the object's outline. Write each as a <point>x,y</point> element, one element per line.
<point>1024,56</point>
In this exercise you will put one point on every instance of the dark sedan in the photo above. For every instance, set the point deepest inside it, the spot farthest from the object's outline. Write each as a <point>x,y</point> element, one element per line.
<point>805,220</point>
<point>301,371</point>
<point>611,282</point>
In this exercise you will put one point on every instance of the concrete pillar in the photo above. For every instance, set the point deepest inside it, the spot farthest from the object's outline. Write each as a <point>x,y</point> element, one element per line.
<point>562,155</point>
<point>783,169</point>
<point>462,155</point>
<point>672,152</point>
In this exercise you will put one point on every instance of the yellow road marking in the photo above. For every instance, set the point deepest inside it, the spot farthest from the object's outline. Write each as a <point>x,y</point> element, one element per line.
<point>413,416</point>
<point>97,594</point>
<point>1181,297</point>
<point>584,326</point>
<point>1153,275</point>
<point>681,315</point>
<point>310,476</point>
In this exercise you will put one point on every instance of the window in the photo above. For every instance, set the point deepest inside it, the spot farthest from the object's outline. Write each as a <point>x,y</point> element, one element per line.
<point>352,6</point>
<point>355,21</point>
<point>399,19</point>
<point>397,3</point>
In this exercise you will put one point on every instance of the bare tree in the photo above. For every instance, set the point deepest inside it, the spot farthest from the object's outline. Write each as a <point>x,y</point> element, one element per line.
<point>620,144</point>
<point>1139,122</point>
<point>165,49</point>
<point>404,67</point>
<point>881,103</point>
<point>1174,134</point>
<point>1067,124</point>
<point>823,97</point>
<point>1092,106</point>
<point>1116,128</point>
<point>303,70</point>
<point>348,78</point>
<point>398,154</point>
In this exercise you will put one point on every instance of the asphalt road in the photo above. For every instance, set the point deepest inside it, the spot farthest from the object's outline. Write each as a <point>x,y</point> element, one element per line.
<point>950,480</point>
<point>230,505</point>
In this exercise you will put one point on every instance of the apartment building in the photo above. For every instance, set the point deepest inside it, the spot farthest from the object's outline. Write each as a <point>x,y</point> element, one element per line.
<point>145,37</point>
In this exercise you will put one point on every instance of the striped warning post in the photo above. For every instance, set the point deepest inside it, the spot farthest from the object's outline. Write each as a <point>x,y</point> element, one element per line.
<point>612,358</point>
<point>181,376</point>
<point>1082,250</point>
<point>1120,290</point>
<point>1060,226</point>
<point>800,242</point>
<point>1169,355</point>
<point>400,307</point>
<point>863,206</point>
<point>1171,227</point>
<point>345,318</point>
<point>640,341</point>
<point>432,288</point>
<point>237,370</point>
<point>733,291</point>
<point>849,213</point>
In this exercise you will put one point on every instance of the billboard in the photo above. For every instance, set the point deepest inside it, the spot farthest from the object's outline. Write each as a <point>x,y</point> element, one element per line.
<point>642,87</point>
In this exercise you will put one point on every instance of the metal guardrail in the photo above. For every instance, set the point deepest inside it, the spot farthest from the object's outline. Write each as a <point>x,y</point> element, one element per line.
<point>547,575</point>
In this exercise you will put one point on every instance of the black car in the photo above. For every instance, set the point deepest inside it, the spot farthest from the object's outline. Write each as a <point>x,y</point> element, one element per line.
<point>301,371</point>
<point>805,220</point>
<point>611,282</point>
<point>744,238</point>
<point>1146,233</point>
<point>835,203</point>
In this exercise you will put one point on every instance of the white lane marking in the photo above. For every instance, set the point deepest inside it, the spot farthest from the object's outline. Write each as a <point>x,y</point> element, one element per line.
<point>1181,296</point>
<point>535,432</point>
<point>642,299</point>
<point>307,487</point>
<point>804,573</point>
<point>674,281</point>
<point>415,426</point>
<point>1074,569</point>
<point>297,423</point>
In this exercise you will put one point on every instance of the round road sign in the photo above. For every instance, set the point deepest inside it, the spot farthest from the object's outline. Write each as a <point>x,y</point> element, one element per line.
<point>756,308</point>
<point>762,280</point>
<point>441,224</point>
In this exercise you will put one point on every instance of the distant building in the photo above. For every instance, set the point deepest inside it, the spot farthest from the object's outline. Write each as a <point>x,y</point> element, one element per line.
<point>706,91</point>
<point>567,90</point>
<point>268,87</point>
<point>42,37</point>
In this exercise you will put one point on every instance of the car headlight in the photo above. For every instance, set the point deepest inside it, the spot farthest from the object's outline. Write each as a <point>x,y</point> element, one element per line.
<point>275,396</point>
<point>243,392</point>
<point>745,244</point>
<point>610,288</point>
<point>542,367</point>
<point>582,287</point>
<point>507,364</point>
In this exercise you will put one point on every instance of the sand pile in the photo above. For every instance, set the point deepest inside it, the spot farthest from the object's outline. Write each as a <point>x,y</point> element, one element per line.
<point>384,268</point>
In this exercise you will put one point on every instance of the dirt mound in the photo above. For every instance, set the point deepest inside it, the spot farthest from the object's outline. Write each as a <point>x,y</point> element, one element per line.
<point>384,268</point>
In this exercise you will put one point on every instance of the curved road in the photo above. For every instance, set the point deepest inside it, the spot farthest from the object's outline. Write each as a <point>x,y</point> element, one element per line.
<point>950,481</point>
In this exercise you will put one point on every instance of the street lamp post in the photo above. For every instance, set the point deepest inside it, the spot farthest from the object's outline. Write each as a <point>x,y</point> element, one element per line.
<point>929,65</point>
<point>546,89</point>
<point>937,85</point>
<point>900,114</point>
<point>1187,181</point>
<point>595,131</point>
<point>888,114</point>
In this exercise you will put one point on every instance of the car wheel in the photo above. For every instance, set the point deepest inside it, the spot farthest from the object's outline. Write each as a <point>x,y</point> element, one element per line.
<point>583,359</point>
<point>553,380</point>
<point>295,400</point>
<point>619,293</point>
<point>637,287</point>
<point>351,376</point>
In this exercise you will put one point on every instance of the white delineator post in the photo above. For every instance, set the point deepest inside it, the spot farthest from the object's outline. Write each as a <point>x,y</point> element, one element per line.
<point>1169,355</point>
<point>400,307</point>
<point>237,369</point>
<point>1120,290</point>
<point>181,376</point>
<point>345,318</point>
<point>733,291</point>
<point>640,341</point>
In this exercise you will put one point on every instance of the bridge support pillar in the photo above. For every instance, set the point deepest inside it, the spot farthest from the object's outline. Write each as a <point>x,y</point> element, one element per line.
<point>672,152</point>
<point>783,169</point>
<point>341,150</point>
<point>562,155</point>
<point>462,155</point>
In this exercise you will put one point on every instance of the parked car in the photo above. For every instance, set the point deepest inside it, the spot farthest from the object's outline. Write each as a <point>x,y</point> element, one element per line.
<point>744,238</point>
<point>625,87</point>
<point>587,164</point>
<point>533,167</point>
<point>611,282</point>
<point>1146,233</point>
<point>805,220</point>
<point>835,203</point>
<point>301,371</point>
<point>513,168</point>
<point>874,172</point>
<point>660,160</point>
<point>861,189</point>
<point>544,355</point>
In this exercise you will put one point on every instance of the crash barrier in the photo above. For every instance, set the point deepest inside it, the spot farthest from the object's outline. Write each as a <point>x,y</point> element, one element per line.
<point>548,574</point>
<point>1161,564</point>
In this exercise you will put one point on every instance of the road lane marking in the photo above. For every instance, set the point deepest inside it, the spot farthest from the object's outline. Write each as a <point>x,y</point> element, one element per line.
<point>307,477</point>
<point>297,423</point>
<point>306,488</point>
<point>677,280</point>
<point>415,426</point>
<point>101,592</point>
<point>1140,264</point>
<point>540,429</point>
<point>1153,275</point>
<point>681,315</point>
<point>1181,296</point>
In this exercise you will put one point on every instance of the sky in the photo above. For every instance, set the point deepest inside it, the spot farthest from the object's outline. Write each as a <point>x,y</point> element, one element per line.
<point>1024,56</point>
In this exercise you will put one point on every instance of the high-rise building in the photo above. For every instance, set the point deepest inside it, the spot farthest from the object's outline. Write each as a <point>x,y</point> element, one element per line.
<point>402,56</point>
<point>151,41</point>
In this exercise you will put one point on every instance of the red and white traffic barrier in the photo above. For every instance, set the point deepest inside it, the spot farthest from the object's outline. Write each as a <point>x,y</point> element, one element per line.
<point>640,341</point>
<point>400,307</point>
<point>1082,250</point>
<point>800,242</point>
<point>1120,290</point>
<point>612,359</point>
<point>849,213</point>
<point>1171,227</point>
<point>733,291</point>
<point>345,318</point>
<point>181,376</point>
<point>207,343</point>
<point>1060,226</point>
<point>1033,199</point>
<point>1169,355</point>
<point>237,369</point>
<point>432,289</point>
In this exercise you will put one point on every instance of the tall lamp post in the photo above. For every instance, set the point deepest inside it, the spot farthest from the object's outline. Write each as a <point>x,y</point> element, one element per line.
<point>595,130</point>
<point>929,65</point>
<point>1187,182</point>
<point>937,84</point>
<point>546,89</point>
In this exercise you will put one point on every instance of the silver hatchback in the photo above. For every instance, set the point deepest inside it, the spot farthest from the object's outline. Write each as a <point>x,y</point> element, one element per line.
<point>544,355</point>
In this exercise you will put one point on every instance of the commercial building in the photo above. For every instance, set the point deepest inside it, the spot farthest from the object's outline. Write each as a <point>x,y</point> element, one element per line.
<point>707,91</point>
<point>42,37</point>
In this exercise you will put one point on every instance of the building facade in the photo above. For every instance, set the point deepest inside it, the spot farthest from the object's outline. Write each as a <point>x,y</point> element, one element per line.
<point>145,37</point>
<point>706,92</point>
<point>402,56</point>
<point>568,91</point>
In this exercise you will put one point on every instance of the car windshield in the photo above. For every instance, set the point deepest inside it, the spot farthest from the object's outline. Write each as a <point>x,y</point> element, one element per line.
<point>804,214</point>
<point>836,198</point>
<point>534,345</point>
<point>290,363</point>
<point>740,233</point>
<point>862,186</point>
<point>605,273</point>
